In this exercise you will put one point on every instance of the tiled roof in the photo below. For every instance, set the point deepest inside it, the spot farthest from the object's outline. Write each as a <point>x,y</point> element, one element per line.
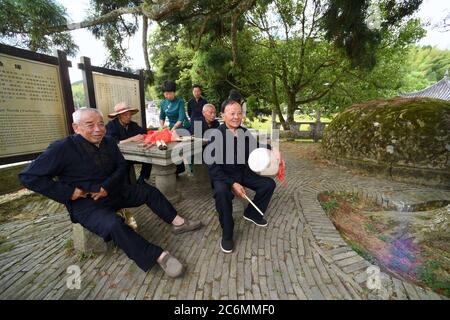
<point>440,90</point>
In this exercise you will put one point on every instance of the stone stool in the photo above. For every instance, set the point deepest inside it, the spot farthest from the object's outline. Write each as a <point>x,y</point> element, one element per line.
<point>85,241</point>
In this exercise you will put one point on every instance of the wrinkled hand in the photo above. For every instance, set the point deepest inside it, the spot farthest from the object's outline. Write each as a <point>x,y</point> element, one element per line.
<point>238,189</point>
<point>78,193</point>
<point>97,195</point>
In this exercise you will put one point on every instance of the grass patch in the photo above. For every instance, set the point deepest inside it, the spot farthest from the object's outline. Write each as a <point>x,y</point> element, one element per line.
<point>370,227</point>
<point>420,255</point>
<point>6,248</point>
<point>68,246</point>
<point>83,256</point>
<point>429,274</point>
<point>265,123</point>
<point>362,252</point>
<point>330,206</point>
<point>9,181</point>
<point>331,201</point>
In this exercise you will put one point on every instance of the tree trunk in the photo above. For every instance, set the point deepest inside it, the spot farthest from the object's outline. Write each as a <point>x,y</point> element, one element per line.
<point>276,103</point>
<point>234,44</point>
<point>290,107</point>
<point>144,42</point>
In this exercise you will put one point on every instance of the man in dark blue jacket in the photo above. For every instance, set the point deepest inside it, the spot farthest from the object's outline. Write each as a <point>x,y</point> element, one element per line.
<point>208,121</point>
<point>123,130</point>
<point>90,172</point>
<point>227,158</point>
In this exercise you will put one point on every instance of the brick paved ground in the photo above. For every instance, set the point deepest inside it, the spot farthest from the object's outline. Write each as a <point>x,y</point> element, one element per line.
<point>300,255</point>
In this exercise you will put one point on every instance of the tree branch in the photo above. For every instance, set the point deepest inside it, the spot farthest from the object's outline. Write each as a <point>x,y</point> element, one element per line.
<point>144,42</point>
<point>110,16</point>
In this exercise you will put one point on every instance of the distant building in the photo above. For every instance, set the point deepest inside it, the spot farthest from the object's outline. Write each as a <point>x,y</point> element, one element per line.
<point>152,115</point>
<point>439,90</point>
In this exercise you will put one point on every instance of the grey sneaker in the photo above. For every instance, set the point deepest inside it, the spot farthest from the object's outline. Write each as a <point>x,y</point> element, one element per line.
<point>171,266</point>
<point>188,225</point>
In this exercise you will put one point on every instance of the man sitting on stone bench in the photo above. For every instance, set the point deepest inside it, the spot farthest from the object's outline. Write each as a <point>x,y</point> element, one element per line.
<point>91,173</point>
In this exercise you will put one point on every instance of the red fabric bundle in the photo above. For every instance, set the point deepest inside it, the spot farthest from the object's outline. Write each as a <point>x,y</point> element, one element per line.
<point>280,174</point>
<point>152,136</point>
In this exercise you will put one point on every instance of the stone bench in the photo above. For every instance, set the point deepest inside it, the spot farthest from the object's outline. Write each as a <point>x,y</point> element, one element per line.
<point>85,241</point>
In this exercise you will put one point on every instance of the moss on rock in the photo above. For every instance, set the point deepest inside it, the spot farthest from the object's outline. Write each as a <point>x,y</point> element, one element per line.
<point>398,132</point>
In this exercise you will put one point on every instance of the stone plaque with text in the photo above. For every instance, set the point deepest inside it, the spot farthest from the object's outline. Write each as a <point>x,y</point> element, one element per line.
<point>110,90</point>
<point>31,106</point>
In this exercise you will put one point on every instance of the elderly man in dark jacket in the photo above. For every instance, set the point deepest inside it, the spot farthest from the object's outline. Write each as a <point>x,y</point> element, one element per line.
<point>90,172</point>
<point>123,130</point>
<point>208,121</point>
<point>227,156</point>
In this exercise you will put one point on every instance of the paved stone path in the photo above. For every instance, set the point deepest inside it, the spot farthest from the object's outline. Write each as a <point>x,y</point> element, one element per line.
<point>300,255</point>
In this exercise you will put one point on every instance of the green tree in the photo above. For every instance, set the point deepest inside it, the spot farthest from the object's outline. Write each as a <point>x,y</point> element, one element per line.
<point>346,24</point>
<point>424,67</point>
<point>26,23</point>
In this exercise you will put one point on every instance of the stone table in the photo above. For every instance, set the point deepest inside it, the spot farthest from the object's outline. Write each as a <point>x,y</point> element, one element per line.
<point>163,161</point>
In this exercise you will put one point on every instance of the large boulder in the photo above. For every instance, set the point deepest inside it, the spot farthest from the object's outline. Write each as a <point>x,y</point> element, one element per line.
<point>403,138</point>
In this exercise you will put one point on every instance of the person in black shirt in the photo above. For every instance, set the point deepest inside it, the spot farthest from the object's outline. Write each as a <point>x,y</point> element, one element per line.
<point>227,156</point>
<point>123,130</point>
<point>195,105</point>
<point>90,171</point>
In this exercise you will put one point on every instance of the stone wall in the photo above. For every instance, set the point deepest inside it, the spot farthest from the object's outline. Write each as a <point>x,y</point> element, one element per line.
<point>402,138</point>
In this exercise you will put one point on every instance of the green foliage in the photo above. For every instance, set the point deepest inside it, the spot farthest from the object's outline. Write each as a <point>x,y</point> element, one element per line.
<point>371,227</point>
<point>284,59</point>
<point>330,206</point>
<point>210,69</point>
<point>431,273</point>
<point>6,248</point>
<point>68,246</point>
<point>171,61</point>
<point>83,256</point>
<point>424,67</point>
<point>113,32</point>
<point>25,23</point>
<point>346,24</point>
<point>78,94</point>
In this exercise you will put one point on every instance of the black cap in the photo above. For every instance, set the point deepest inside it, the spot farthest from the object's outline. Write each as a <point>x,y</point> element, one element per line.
<point>169,86</point>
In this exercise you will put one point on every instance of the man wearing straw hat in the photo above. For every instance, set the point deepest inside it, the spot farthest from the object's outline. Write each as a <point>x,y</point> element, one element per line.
<point>227,156</point>
<point>123,130</point>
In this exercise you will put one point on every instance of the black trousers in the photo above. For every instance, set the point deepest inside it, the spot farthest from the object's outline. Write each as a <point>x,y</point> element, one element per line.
<point>264,188</point>
<point>146,169</point>
<point>100,218</point>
